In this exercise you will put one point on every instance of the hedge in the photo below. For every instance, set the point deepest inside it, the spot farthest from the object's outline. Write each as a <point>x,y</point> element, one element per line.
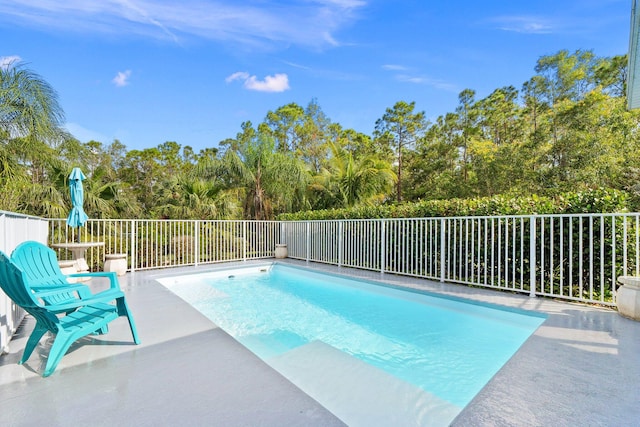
<point>600,200</point>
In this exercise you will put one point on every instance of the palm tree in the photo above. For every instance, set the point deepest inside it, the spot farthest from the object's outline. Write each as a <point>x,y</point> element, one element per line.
<point>106,197</point>
<point>28,105</point>
<point>43,200</point>
<point>30,116</point>
<point>192,197</point>
<point>269,182</point>
<point>105,194</point>
<point>349,182</point>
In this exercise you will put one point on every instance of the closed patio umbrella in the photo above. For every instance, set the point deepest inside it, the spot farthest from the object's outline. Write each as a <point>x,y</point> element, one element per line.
<point>76,217</point>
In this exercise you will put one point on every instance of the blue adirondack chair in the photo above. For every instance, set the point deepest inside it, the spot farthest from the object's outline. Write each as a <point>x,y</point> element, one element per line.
<point>40,264</point>
<point>84,316</point>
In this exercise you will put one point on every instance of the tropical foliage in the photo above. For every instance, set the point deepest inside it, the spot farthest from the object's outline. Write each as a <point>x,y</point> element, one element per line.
<point>560,138</point>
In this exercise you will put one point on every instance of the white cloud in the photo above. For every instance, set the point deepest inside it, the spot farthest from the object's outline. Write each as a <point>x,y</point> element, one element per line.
<point>327,37</point>
<point>428,81</point>
<point>122,78</point>
<point>275,83</point>
<point>7,61</point>
<point>524,24</point>
<point>240,75</point>
<point>394,67</point>
<point>295,65</point>
<point>312,23</point>
<point>402,75</point>
<point>410,79</point>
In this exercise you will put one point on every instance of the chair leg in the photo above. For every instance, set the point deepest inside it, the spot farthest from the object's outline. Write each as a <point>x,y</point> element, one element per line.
<point>60,346</point>
<point>33,341</point>
<point>123,310</point>
<point>102,331</point>
<point>134,331</point>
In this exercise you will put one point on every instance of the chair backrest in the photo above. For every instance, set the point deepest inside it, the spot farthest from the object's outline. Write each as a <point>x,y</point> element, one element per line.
<point>13,282</point>
<point>40,264</point>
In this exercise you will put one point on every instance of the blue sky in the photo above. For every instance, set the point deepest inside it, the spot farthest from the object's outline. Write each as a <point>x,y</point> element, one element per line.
<point>192,71</point>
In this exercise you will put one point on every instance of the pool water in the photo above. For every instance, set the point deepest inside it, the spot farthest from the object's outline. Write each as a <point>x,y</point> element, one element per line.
<point>361,348</point>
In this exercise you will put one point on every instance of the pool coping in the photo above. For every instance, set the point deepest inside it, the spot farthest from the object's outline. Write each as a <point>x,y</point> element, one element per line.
<point>580,367</point>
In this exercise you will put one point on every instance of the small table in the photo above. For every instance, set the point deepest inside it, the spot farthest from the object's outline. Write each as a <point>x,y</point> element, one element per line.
<point>78,250</point>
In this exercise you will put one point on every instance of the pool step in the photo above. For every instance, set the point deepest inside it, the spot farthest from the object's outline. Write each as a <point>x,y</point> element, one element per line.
<point>272,344</point>
<point>358,393</point>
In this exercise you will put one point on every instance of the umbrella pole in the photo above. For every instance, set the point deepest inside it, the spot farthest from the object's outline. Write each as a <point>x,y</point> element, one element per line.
<point>78,234</point>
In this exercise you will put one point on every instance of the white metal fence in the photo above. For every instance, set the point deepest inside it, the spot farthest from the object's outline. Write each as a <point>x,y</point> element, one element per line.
<point>14,229</point>
<point>573,257</point>
<point>169,243</point>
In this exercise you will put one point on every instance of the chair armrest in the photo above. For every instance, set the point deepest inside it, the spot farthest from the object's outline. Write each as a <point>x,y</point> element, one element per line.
<point>83,291</point>
<point>102,297</point>
<point>111,275</point>
<point>46,291</point>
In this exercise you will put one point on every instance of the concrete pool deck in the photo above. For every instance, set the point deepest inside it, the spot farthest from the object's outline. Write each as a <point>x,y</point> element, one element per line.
<point>581,367</point>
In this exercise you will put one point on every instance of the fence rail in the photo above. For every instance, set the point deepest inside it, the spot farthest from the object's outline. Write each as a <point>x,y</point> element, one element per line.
<point>169,243</point>
<point>573,257</point>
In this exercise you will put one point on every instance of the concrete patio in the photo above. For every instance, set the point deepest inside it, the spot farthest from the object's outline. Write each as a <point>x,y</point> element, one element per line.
<point>581,367</point>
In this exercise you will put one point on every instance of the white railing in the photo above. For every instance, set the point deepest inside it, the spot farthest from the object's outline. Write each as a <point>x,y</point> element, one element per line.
<point>574,257</point>
<point>170,243</point>
<point>14,229</point>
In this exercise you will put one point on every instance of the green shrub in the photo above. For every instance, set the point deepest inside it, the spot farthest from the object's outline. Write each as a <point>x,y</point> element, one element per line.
<point>590,201</point>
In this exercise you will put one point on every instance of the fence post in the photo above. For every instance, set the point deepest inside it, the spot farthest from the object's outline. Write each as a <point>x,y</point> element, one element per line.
<point>383,244</point>
<point>443,250</point>
<point>197,241</point>
<point>244,239</point>
<point>532,256</point>
<point>308,240</point>
<point>132,245</point>
<point>340,242</point>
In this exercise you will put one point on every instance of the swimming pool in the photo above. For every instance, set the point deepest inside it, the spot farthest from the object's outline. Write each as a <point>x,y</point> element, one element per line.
<point>372,354</point>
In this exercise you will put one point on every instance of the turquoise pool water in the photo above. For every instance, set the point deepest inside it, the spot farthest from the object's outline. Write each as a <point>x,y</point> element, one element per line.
<point>444,350</point>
